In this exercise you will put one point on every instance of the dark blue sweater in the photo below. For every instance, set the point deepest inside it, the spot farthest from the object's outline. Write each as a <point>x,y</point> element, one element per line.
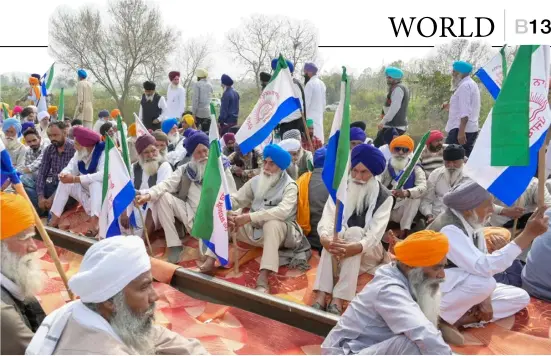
<point>229,107</point>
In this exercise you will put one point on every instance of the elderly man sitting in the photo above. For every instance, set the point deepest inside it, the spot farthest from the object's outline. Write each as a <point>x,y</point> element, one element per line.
<point>244,167</point>
<point>408,198</point>
<point>272,199</point>
<point>82,179</point>
<point>302,160</point>
<point>358,249</point>
<point>116,310</point>
<point>229,143</point>
<point>20,276</point>
<point>12,132</point>
<point>43,122</point>
<point>432,157</point>
<point>177,197</point>
<point>397,312</point>
<point>442,180</point>
<point>170,128</point>
<point>470,294</point>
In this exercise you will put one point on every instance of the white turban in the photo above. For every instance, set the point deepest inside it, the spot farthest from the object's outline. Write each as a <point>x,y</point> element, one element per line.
<point>109,266</point>
<point>290,145</point>
<point>43,114</point>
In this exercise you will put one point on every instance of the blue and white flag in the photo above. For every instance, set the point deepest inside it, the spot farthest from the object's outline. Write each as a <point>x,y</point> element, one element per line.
<point>277,101</point>
<point>118,191</point>
<point>493,73</point>
<point>6,167</point>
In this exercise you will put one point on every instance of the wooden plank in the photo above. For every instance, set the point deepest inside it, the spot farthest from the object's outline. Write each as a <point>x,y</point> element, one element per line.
<point>211,289</point>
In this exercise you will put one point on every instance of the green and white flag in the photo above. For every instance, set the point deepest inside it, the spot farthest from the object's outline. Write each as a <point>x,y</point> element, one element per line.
<point>48,77</point>
<point>211,224</point>
<point>61,108</point>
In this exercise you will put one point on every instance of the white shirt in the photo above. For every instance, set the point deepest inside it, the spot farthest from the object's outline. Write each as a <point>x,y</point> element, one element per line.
<point>465,102</point>
<point>164,171</point>
<point>396,103</point>
<point>315,101</point>
<point>162,106</point>
<point>176,102</point>
<point>437,186</point>
<point>86,179</point>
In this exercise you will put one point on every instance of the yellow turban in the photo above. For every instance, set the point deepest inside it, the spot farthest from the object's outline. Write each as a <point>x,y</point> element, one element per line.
<point>491,230</point>
<point>132,130</point>
<point>115,113</point>
<point>189,120</point>
<point>52,110</point>
<point>422,249</point>
<point>402,141</point>
<point>17,215</point>
<point>201,73</point>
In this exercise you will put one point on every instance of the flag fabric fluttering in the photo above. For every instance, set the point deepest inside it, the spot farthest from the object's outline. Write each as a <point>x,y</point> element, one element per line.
<point>505,156</point>
<point>493,73</point>
<point>337,159</point>
<point>211,224</point>
<point>5,112</point>
<point>413,162</point>
<point>140,127</point>
<point>48,77</point>
<point>6,167</point>
<point>124,144</point>
<point>276,102</point>
<point>61,107</point>
<point>118,191</point>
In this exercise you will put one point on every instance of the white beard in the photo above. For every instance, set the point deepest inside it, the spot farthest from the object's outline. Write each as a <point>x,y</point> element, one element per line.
<point>398,162</point>
<point>174,138</point>
<point>10,143</point>
<point>199,167</point>
<point>426,293</point>
<point>83,155</point>
<point>163,154</point>
<point>44,125</point>
<point>265,183</point>
<point>453,175</point>
<point>23,271</point>
<point>358,194</point>
<point>454,82</point>
<point>150,167</point>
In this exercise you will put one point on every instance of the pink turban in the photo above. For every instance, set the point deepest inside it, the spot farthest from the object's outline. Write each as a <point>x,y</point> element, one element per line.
<point>85,137</point>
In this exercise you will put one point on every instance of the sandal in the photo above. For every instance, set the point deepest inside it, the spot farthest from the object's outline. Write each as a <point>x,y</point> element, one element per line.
<point>333,309</point>
<point>318,306</point>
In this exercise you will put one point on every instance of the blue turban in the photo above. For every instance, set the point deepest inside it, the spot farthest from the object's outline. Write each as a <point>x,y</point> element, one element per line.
<point>194,140</point>
<point>26,125</point>
<point>82,73</point>
<point>289,64</point>
<point>389,134</point>
<point>226,80</point>
<point>168,124</point>
<point>370,156</point>
<point>357,134</point>
<point>310,67</point>
<point>319,157</point>
<point>12,123</point>
<point>394,73</point>
<point>188,132</point>
<point>103,113</point>
<point>280,157</point>
<point>462,67</point>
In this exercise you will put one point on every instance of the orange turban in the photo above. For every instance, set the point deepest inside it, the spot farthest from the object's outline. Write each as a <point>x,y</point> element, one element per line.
<point>422,249</point>
<point>115,113</point>
<point>33,81</point>
<point>52,110</point>
<point>132,130</point>
<point>17,215</point>
<point>402,141</point>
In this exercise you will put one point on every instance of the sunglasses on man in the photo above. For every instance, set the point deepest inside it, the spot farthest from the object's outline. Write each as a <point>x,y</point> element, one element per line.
<point>401,149</point>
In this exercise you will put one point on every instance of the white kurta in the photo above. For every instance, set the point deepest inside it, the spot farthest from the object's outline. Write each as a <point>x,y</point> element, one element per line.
<point>472,282</point>
<point>438,185</point>
<point>315,101</point>
<point>175,102</point>
<point>88,192</point>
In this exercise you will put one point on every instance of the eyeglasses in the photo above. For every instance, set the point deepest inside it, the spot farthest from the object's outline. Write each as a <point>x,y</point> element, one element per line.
<point>401,149</point>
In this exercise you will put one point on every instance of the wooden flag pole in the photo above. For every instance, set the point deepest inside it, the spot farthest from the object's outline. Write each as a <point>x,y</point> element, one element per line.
<point>306,131</point>
<point>146,234</point>
<point>235,252</point>
<point>334,259</point>
<point>541,170</point>
<point>46,239</point>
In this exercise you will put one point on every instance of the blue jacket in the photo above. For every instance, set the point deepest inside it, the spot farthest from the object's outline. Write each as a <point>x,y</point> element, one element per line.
<point>229,107</point>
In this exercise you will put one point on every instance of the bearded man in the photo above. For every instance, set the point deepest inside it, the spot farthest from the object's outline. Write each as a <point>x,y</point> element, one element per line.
<point>358,248</point>
<point>12,132</point>
<point>314,99</point>
<point>229,143</point>
<point>153,107</point>
<point>85,99</point>
<point>442,180</point>
<point>302,160</point>
<point>397,312</point>
<point>103,117</point>
<point>20,277</point>
<point>116,309</point>
<point>175,97</point>
<point>464,107</point>
<point>33,160</point>
<point>170,128</point>
<point>245,167</point>
<point>177,197</point>
<point>470,294</point>
<point>161,142</point>
<point>408,198</point>
<point>43,122</point>
<point>432,158</point>
<point>82,179</point>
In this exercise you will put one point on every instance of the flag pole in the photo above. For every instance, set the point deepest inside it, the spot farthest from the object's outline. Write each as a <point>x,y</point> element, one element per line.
<point>235,252</point>
<point>306,130</point>
<point>46,239</point>
<point>541,169</point>
<point>335,260</point>
<point>146,234</point>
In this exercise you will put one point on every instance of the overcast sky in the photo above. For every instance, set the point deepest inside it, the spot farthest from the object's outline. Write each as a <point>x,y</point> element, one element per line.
<point>343,23</point>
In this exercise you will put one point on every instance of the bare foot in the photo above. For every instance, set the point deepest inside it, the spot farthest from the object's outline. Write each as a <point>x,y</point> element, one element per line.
<point>262,281</point>
<point>319,302</point>
<point>54,221</point>
<point>450,333</point>
<point>208,266</point>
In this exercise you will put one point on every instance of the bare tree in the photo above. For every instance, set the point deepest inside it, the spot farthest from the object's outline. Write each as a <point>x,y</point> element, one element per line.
<point>114,52</point>
<point>255,42</point>
<point>193,54</point>
<point>300,42</point>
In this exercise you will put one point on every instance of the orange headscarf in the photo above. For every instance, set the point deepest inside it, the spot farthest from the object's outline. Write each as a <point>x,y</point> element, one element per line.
<point>402,141</point>
<point>115,113</point>
<point>17,215</point>
<point>132,130</point>
<point>303,203</point>
<point>52,110</point>
<point>35,86</point>
<point>422,249</point>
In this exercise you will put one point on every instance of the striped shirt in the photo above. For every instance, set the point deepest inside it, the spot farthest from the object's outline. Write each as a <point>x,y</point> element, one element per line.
<point>431,160</point>
<point>53,163</point>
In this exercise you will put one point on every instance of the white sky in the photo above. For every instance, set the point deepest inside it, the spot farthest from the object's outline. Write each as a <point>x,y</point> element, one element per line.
<point>341,22</point>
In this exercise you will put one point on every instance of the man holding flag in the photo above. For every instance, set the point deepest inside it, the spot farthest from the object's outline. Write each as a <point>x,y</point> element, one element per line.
<point>82,178</point>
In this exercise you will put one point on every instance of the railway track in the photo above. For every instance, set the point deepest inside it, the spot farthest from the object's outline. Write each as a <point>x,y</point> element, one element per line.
<point>214,290</point>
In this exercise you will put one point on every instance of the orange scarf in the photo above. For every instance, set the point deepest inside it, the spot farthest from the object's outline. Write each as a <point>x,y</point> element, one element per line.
<point>303,204</point>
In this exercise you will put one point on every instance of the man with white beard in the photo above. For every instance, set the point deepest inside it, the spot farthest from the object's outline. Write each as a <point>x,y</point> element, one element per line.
<point>116,309</point>
<point>470,294</point>
<point>170,128</point>
<point>161,142</point>
<point>442,180</point>
<point>358,249</point>
<point>408,198</point>
<point>177,197</point>
<point>397,312</point>
<point>82,179</point>
<point>12,133</point>
<point>43,122</point>
<point>20,276</point>
<point>302,160</point>
<point>464,108</point>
